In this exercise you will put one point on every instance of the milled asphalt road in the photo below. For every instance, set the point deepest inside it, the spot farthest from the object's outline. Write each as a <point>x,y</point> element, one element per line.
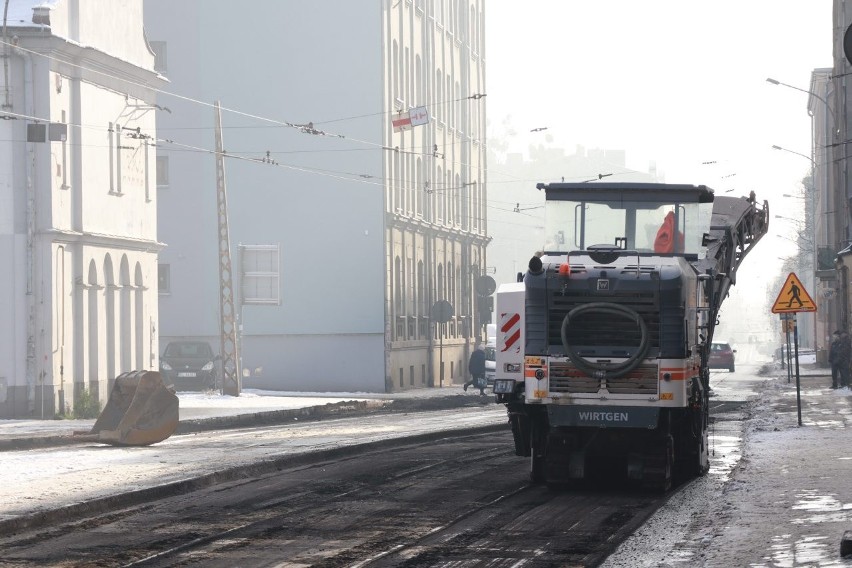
<point>46,484</point>
<point>780,495</point>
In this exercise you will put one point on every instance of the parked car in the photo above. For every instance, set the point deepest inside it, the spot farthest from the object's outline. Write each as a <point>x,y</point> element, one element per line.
<point>721,356</point>
<point>807,356</point>
<point>490,363</point>
<point>189,365</point>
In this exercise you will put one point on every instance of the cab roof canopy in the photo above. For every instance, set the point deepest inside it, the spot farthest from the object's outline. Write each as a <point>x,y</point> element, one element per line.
<point>660,192</point>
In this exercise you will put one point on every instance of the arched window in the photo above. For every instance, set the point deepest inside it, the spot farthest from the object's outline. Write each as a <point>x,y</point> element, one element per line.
<point>94,341</point>
<point>396,182</point>
<point>411,296</point>
<point>395,71</point>
<point>449,198</point>
<point>462,193</point>
<point>451,284</point>
<point>459,110</point>
<point>127,328</point>
<point>446,195</point>
<point>422,307</point>
<point>419,189</point>
<point>440,194</point>
<point>139,318</point>
<point>418,81</point>
<point>407,77</point>
<point>397,286</point>
<point>439,94</point>
<point>109,316</point>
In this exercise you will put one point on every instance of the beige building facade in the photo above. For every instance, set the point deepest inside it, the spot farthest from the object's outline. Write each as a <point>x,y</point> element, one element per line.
<point>436,195</point>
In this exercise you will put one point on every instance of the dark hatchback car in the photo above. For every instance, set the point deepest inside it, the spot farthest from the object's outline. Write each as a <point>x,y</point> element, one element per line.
<point>189,365</point>
<point>722,356</point>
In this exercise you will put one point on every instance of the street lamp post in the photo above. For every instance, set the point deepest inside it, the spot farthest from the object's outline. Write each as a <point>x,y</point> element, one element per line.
<point>810,200</point>
<point>811,93</point>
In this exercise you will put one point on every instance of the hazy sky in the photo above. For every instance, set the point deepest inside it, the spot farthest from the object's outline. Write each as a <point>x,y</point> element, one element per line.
<point>677,82</point>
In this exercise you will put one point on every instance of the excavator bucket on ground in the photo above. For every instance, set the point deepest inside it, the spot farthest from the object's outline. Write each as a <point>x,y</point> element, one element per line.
<point>141,411</point>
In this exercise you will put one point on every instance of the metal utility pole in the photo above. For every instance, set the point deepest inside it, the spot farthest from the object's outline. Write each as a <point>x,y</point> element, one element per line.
<point>231,380</point>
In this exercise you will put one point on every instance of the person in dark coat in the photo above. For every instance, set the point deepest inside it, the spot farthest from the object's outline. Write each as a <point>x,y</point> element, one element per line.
<point>845,358</point>
<point>834,359</point>
<point>476,366</point>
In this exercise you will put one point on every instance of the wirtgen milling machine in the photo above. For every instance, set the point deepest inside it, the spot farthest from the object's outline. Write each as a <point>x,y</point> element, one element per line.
<point>602,345</point>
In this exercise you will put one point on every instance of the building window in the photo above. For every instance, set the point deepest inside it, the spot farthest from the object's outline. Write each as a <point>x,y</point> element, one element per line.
<point>160,62</point>
<point>260,274</point>
<point>164,278</point>
<point>162,171</point>
<point>397,287</point>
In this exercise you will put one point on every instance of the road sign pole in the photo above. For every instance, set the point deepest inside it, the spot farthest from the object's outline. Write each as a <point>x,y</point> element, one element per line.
<point>798,386</point>
<point>441,356</point>
<point>788,355</point>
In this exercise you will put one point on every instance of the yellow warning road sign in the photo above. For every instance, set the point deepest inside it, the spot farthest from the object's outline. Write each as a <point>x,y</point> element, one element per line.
<point>793,298</point>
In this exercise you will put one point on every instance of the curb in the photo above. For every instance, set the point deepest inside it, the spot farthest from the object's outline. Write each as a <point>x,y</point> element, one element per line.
<point>344,409</point>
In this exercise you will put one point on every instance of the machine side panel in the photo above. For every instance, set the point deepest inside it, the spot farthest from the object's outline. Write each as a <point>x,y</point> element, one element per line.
<point>509,310</point>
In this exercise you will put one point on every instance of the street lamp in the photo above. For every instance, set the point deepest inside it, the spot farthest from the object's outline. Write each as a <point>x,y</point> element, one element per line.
<point>813,94</point>
<point>776,147</point>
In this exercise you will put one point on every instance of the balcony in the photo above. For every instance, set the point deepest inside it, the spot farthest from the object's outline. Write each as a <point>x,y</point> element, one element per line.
<point>825,263</point>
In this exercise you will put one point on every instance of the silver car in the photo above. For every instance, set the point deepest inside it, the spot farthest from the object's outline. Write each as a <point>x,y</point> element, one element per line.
<point>490,363</point>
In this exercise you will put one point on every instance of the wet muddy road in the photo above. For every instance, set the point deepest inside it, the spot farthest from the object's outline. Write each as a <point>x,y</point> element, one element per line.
<point>462,500</point>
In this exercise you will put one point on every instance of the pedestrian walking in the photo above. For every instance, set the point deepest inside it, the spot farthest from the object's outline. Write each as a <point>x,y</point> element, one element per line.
<point>834,359</point>
<point>476,366</point>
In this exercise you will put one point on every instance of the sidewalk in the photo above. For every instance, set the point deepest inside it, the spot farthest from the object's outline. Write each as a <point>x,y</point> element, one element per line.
<point>789,501</point>
<point>201,411</point>
<point>785,501</point>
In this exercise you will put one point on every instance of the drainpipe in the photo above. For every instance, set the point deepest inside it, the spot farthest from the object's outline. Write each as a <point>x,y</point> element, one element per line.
<point>29,104</point>
<point>7,102</point>
<point>60,270</point>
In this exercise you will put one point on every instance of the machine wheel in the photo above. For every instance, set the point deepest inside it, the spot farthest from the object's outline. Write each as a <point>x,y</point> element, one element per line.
<point>658,467</point>
<point>538,452</point>
<point>731,369</point>
<point>692,443</point>
<point>695,459</point>
<point>536,468</point>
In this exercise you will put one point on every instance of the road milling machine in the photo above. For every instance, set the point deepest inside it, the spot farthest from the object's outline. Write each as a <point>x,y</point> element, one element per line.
<point>602,345</point>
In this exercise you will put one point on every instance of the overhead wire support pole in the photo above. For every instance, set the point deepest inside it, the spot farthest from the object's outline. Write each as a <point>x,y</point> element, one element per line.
<point>227,329</point>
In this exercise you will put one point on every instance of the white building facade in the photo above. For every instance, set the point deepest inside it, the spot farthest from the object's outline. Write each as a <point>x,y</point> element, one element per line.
<point>78,231</point>
<point>343,231</point>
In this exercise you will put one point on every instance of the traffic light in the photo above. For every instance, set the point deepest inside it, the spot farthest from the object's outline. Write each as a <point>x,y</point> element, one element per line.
<point>485,286</point>
<point>485,307</point>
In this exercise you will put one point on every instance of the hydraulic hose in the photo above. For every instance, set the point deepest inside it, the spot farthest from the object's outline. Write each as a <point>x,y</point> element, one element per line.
<point>606,370</point>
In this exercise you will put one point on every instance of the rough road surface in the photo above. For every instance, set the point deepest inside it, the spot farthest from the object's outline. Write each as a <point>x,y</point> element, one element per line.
<point>777,495</point>
<point>460,500</point>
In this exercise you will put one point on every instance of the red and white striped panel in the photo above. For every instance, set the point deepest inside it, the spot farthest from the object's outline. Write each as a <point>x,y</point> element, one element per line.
<point>510,332</point>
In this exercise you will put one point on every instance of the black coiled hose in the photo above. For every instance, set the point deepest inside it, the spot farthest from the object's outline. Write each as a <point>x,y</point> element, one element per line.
<point>606,370</point>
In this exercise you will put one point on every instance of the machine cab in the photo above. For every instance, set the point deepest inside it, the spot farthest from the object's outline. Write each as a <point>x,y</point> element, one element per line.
<point>648,218</point>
